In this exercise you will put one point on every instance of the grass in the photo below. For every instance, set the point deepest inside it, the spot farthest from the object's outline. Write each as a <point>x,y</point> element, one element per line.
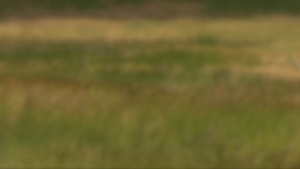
<point>198,95</point>
<point>200,7</point>
<point>64,124</point>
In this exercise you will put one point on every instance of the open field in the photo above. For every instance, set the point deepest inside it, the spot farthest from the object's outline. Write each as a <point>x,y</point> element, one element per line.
<point>147,8</point>
<point>148,93</point>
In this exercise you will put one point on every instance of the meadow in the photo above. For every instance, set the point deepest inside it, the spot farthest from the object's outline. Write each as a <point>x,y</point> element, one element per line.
<point>146,9</point>
<point>182,93</point>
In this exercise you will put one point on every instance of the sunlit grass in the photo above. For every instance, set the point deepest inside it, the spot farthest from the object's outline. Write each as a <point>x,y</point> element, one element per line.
<point>215,123</point>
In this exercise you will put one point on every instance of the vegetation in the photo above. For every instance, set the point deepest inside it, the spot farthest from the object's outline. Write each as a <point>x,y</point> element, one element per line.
<point>149,93</point>
<point>98,7</point>
<point>203,94</point>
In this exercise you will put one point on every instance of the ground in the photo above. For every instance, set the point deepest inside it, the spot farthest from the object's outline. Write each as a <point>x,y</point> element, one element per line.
<point>82,92</point>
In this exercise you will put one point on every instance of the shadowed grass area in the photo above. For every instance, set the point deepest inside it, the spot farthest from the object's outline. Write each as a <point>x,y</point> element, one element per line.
<point>246,8</point>
<point>199,8</point>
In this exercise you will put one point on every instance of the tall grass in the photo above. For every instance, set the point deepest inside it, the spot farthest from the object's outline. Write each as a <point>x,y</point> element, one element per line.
<point>250,122</point>
<point>189,98</point>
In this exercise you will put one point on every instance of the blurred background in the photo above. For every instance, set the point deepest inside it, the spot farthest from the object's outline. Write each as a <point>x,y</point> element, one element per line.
<point>149,83</point>
<point>147,9</point>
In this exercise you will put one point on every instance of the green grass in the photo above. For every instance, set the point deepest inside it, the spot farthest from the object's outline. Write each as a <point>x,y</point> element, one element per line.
<point>133,62</point>
<point>246,7</point>
<point>212,7</point>
<point>126,125</point>
<point>147,104</point>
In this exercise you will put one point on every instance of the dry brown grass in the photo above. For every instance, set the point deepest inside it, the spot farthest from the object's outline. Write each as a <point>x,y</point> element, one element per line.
<point>88,29</point>
<point>56,29</point>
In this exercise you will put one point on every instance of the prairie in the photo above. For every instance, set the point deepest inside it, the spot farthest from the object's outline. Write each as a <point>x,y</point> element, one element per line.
<point>82,92</point>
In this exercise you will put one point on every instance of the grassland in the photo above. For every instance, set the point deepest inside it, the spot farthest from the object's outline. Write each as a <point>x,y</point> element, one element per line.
<point>145,93</point>
<point>147,9</point>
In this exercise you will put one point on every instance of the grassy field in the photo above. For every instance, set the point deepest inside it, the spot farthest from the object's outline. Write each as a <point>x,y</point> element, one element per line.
<point>182,93</point>
<point>147,9</point>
